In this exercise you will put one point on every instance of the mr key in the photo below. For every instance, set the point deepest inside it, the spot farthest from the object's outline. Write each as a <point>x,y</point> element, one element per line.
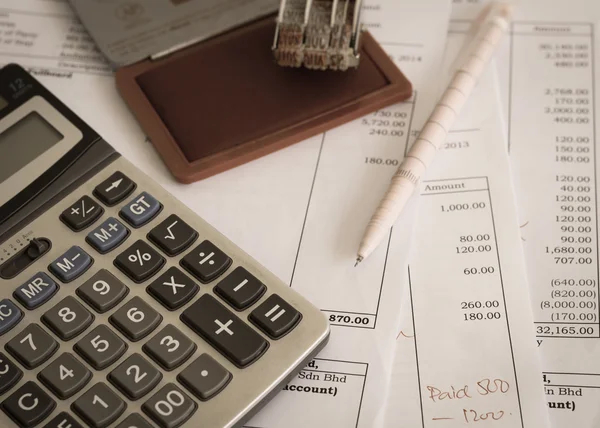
<point>121,306</point>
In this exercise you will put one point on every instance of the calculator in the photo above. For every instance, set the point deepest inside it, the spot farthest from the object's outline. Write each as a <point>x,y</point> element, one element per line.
<point>119,306</point>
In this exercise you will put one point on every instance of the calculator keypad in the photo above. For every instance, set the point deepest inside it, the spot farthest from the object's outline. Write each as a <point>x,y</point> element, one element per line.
<point>99,406</point>
<point>173,235</point>
<point>32,346</point>
<point>10,315</point>
<point>225,331</point>
<point>71,264</point>
<point>135,377</point>
<point>109,235</point>
<point>173,288</point>
<point>140,261</point>
<point>136,319</point>
<point>29,405</point>
<point>81,213</point>
<point>167,269</point>
<point>68,318</point>
<point>100,347</point>
<point>206,262</point>
<point>170,348</point>
<point>169,407</point>
<point>36,291</point>
<point>65,376</point>
<point>103,291</point>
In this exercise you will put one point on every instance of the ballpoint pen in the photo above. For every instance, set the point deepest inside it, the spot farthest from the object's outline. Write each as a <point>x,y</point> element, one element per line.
<point>434,132</point>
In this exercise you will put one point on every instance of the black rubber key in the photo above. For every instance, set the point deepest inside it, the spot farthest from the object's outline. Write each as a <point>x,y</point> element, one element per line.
<point>173,288</point>
<point>206,262</point>
<point>114,189</point>
<point>275,316</point>
<point>65,376</point>
<point>165,414</point>
<point>103,291</point>
<point>240,289</point>
<point>170,348</point>
<point>32,346</point>
<point>173,235</point>
<point>136,319</point>
<point>140,261</point>
<point>28,405</point>
<point>100,347</point>
<point>205,377</point>
<point>134,421</point>
<point>82,213</point>
<point>99,406</point>
<point>227,333</point>
<point>63,420</point>
<point>68,318</point>
<point>10,374</point>
<point>135,377</point>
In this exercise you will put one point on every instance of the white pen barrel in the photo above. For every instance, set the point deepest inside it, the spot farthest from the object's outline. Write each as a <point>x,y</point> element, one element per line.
<point>434,132</point>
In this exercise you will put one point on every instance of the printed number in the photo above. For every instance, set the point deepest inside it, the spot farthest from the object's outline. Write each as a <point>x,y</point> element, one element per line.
<point>136,377</point>
<point>5,370</point>
<point>165,407</point>
<point>29,338</point>
<point>170,343</point>
<point>135,315</point>
<point>101,287</point>
<point>99,345</point>
<point>65,372</point>
<point>66,314</point>
<point>99,400</point>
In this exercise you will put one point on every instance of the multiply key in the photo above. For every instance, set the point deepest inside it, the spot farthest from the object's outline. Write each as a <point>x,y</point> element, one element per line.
<point>226,332</point>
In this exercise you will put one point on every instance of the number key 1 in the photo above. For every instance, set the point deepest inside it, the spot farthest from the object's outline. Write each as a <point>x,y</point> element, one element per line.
<point>99,406</point>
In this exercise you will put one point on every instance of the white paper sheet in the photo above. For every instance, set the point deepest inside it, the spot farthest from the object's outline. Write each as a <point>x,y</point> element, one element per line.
<point>549,76</point>
<point>466,353</point>
<point>301,211</point>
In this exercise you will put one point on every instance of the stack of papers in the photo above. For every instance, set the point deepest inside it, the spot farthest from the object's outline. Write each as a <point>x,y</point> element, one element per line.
<point>482,306</point>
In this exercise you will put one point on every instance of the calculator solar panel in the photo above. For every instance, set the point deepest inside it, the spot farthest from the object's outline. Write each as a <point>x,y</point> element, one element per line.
<point>119,305</point>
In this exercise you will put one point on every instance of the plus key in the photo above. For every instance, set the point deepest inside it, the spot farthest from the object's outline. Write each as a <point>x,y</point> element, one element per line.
<point>223,330</point>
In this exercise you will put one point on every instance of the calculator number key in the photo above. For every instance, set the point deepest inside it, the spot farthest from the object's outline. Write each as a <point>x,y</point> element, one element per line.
<point>99,406</point>
<point>170,348</point>
<point>32,347</point>
<point>29,405</point>
<point>68,318</point>
<point>135,377</point>
<point>10,374</point>
<point>65,376</point>
<point>170,407</point>
<point>100,347</point>
<point>103,291</point>
<point>136,319</point>
<point>63,420</point>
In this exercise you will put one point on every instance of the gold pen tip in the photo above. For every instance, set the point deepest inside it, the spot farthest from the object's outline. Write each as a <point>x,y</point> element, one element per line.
<point>358,260</point>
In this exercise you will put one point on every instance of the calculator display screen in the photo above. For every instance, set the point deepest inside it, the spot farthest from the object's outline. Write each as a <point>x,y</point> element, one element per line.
<point>24,141</point>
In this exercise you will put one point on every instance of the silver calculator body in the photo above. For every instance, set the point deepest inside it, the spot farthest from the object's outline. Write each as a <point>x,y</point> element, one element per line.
<point>119,306</point>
